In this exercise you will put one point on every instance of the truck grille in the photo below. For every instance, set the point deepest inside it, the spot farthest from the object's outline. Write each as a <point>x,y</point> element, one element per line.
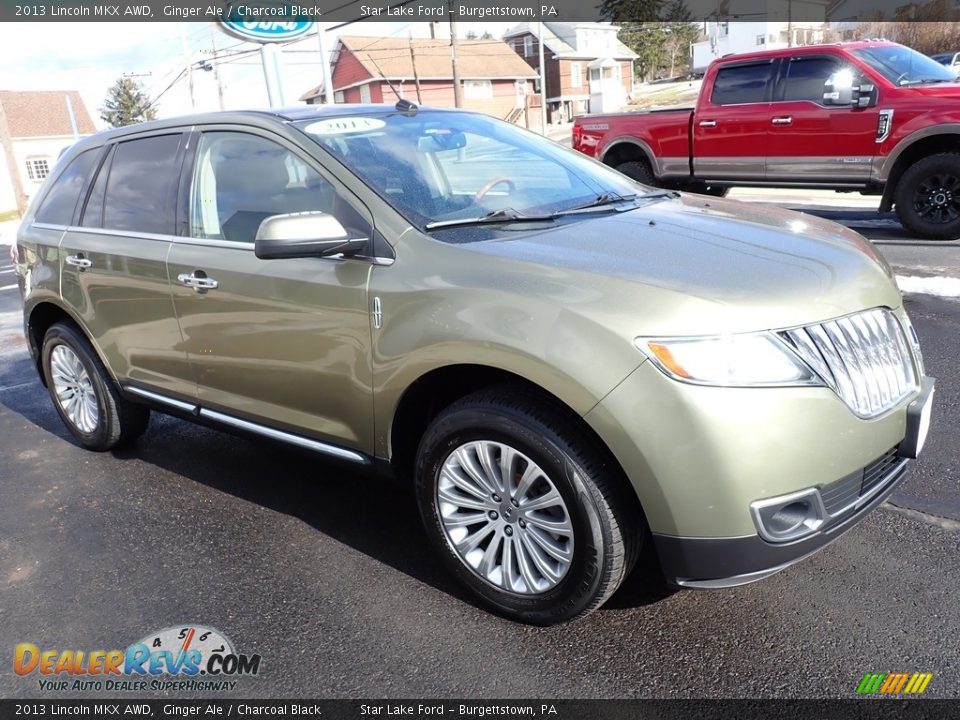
<point>864,358</point>
<point>843,494</point>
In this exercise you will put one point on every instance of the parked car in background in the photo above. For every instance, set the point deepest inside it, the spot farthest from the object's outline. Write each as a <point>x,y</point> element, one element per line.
<point>950,59</point>
<point>873,117</point>
<point>566,366</point>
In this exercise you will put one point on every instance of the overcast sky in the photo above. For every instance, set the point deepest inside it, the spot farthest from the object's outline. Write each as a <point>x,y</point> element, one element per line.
<point>89,57</point>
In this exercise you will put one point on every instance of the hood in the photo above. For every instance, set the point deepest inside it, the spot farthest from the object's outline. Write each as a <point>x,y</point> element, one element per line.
<point>946,91</point>
<point>698,265</point>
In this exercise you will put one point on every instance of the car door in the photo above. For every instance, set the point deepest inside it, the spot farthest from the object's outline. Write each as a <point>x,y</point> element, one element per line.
<point>113,263</point>
<point>730,126</point>
<point>280,345</point>
<point>808,141</point>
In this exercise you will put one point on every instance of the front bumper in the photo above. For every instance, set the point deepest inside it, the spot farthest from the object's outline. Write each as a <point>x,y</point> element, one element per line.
<point>709,563</point>
<point>729,562</point>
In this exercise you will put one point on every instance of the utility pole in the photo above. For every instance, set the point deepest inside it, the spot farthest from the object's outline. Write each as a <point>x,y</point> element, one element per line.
<point>543,82</point>
<point>216,69</point>
<point>328,96</point>
<point>413,61</point>
<point>457,88</point>
<point>188,65</point>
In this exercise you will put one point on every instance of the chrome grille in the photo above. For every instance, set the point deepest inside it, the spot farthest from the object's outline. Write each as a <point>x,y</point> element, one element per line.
<point>864,358</point>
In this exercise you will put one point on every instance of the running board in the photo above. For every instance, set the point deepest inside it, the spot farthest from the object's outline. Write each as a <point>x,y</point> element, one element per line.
<point>252,427</point>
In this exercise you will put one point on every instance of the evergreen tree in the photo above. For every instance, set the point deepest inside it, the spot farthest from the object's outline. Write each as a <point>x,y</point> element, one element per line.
<point>126,104</point>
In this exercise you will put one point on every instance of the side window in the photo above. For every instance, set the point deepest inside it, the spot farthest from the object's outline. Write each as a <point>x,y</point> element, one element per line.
<point>61,200</point>
<point>140,188</point>
<point>93,212</point>
<point>806,78</point>
<point>742,84</point>
<point>239,180</point>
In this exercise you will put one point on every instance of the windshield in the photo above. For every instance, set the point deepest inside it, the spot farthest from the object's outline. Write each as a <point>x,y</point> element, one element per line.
<point>903,66</point>
<point>437,167</point>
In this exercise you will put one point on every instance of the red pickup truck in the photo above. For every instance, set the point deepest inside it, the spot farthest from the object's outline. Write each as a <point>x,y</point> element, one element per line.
<point>873,117</point>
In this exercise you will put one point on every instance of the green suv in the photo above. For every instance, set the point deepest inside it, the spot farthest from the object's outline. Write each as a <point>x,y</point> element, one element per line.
<point>567,366</point>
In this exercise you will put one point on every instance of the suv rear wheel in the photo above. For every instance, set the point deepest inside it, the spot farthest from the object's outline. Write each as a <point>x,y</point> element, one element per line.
<point>84,394</point>
<point>928,197</point>
<point>523,509</point>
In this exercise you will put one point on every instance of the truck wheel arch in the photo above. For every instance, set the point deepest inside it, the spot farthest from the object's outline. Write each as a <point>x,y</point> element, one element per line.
<point>626,148</point>
<point>920,144</point>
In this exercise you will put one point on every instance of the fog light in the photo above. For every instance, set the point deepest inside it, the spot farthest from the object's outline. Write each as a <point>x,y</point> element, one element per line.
<point>788,517</point>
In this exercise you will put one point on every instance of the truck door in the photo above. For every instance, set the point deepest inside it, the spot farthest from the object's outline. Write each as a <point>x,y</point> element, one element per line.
<point>730,124</point>
<point>808,141</point>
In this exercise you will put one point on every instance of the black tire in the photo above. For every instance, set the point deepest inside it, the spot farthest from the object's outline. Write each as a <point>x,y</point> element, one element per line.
<point>921,186</point>
<point>637,170</point>
<point>118,420</point>
<point>607,522</point>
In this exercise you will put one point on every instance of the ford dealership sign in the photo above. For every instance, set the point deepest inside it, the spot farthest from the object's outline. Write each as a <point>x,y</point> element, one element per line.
<point>266,31</point>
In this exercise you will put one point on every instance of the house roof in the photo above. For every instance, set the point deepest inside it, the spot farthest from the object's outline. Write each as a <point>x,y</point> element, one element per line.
<point>561,39</point>
<point>43,113</point>
<point>478,59</point>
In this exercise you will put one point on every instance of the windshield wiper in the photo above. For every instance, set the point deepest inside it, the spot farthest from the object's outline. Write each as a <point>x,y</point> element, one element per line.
<point>497,216</point>
<point>602,200</point>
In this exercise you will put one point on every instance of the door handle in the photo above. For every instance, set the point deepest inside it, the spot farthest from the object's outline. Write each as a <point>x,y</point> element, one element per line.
<point>708,123</point>
<point>78,261</point>
<point>787,120</point>
<point>200,283</point>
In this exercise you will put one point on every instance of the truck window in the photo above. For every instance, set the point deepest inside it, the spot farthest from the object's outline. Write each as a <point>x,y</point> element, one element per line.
<point>806,78</point>
<point>141,186</point>
<point>61,201</point>
<point>742,84</point>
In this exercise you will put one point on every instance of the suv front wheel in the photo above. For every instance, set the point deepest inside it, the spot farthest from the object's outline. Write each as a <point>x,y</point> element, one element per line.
<point>84,394</point>
<point>523,508</point>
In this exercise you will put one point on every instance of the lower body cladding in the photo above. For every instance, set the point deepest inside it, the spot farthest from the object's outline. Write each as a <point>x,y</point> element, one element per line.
<point>740,483</point>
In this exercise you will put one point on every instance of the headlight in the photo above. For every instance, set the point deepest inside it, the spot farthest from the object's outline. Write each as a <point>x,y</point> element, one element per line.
<point>758,359</point>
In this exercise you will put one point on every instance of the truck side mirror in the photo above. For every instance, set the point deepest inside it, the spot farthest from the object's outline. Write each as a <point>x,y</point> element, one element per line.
<point>842,88</point>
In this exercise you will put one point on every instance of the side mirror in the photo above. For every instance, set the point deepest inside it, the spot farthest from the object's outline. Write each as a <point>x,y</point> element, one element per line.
<point>843,89</point>
<point>307,234</point>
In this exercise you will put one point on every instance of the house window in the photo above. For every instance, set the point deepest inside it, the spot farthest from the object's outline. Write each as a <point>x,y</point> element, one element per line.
<point>595,75</point>
<point>38,169</point>
<point>338,96</point>
<point>528,46</point>
<point>576,75</point>
<point>365,93</point>
<point>761,39</point>
<point>477,89</point>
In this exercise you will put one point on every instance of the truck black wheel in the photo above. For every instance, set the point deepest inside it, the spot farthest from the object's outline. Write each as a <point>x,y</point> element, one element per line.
<point>524,509</point>
<point>84,394</point>
<point>637,170</point>
<point>928,197</point>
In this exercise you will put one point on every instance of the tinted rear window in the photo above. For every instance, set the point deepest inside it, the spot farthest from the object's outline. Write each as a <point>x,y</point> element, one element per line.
<point>93,212</point>
<point>61,201</point>
<point>142,184</point>
<point>742,84</point>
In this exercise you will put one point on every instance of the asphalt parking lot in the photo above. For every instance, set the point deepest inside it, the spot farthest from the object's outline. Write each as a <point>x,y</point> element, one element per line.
<point>328,575</point>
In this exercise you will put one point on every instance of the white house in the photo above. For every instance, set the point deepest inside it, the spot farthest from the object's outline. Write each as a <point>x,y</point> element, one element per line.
<point>586,67</point>
<point>734,33</point>
<point>35,127</point>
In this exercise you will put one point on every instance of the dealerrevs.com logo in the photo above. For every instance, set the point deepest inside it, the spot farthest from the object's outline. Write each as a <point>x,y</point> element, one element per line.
<point>183,658</point>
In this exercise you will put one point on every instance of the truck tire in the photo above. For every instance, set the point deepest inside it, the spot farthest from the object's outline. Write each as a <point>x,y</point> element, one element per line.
<point>927,197</point>
<point>84,394</point>
<point>637,170</point>
<point>524,509</point>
